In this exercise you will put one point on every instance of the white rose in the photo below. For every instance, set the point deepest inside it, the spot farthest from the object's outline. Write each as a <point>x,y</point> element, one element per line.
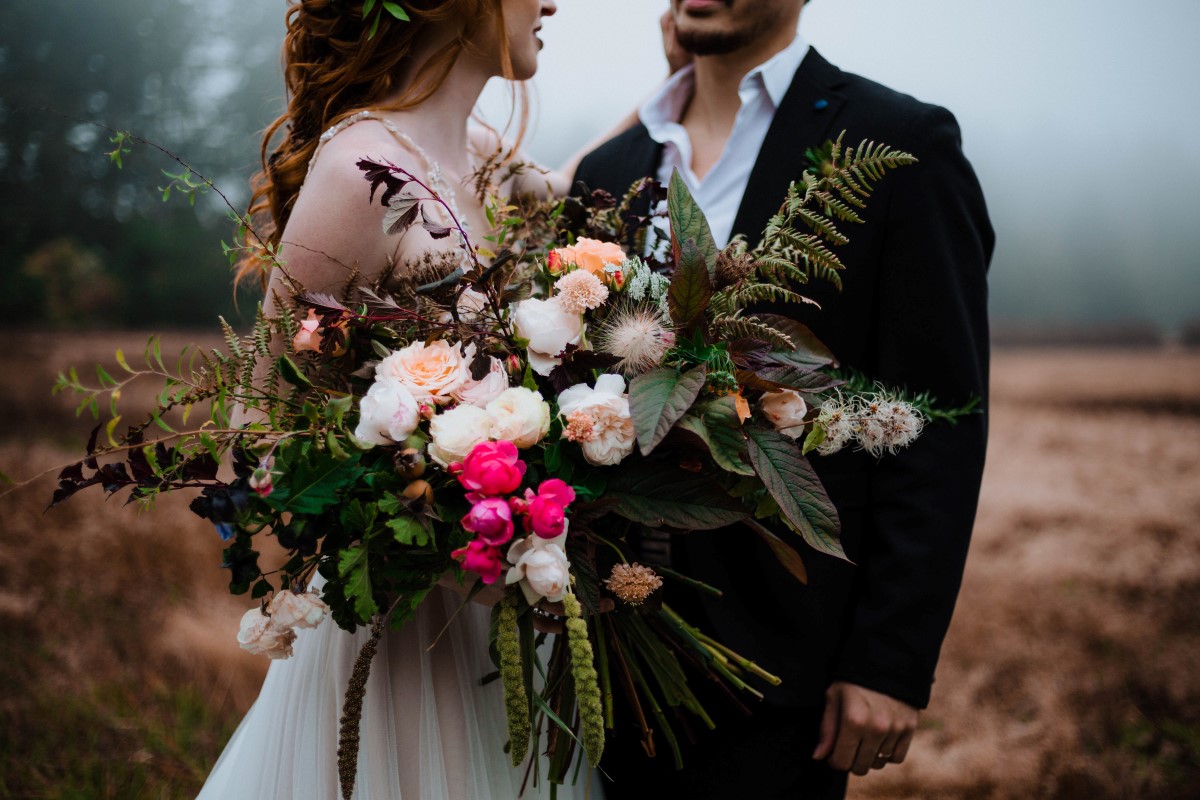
<point>519,415</point>
<point>785,409</point>
<point>258,636</point>
<point>387,414</point>
<point>456,432</point>
<point>541,566</point>
<point>432,373</point>
<point>549,328</point>
<point>291,610</point>
<point>611,437</point>
<point>486,389</point>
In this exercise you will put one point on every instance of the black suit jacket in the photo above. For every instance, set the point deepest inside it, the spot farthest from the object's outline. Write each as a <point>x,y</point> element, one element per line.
<point>912,313</point>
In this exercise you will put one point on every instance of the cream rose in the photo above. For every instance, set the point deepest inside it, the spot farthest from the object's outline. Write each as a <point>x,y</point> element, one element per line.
<point>387,414</point>
<point>259,636</point>
<point>592,255</point>
<point>486,389</point>
<point>541,567</point>
<point>785,409</point>
<point>549,328</point>
<point>291,610</point>
<point>456,431</point>
<point>519,415</point>
<point>431,372</point>
<point>610,437</point>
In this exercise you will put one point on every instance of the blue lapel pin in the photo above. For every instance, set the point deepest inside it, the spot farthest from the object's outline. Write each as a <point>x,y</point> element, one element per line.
<point>821,105</point>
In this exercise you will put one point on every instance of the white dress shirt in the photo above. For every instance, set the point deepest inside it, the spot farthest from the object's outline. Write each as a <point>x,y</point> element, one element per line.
<point>719,193</point>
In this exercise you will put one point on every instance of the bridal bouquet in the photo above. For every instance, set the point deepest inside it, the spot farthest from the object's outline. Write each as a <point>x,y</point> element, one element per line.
<point>522,418</point>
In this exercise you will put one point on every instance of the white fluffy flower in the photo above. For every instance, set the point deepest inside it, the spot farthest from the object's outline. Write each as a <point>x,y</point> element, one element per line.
<point>486,389</point>
<point>258,635</point>
<point>835,419</point>
<point>455,432</point>
<point>291,610</point>
<point>786,410</point>
<point>611,436</point>
<point>549,328</point>
<point>387,414</point>
<point>519,415</point>
<point>541,566</point>
<point>432,373</point>
<point>640,337</point>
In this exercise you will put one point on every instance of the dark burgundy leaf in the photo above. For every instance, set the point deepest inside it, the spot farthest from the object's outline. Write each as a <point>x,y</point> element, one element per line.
<point>71,473</point>
<point>322,302</point>
<point>91,448</point>
<point>201,467</point>
<point>114,477</point>
<point>435,230</point>
<point>384,174</point>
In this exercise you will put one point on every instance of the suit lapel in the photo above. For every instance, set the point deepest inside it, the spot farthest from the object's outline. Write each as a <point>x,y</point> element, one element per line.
<point>803,120</point>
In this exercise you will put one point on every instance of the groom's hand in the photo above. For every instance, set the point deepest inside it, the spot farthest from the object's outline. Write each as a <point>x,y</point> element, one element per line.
<point>863,730</point>
<point>677,57</point>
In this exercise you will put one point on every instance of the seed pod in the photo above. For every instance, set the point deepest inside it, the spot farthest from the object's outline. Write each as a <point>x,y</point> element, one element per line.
<point>419,491</point>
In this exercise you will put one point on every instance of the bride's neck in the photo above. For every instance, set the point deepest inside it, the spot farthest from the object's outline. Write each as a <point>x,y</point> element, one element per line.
<point>439,124</point>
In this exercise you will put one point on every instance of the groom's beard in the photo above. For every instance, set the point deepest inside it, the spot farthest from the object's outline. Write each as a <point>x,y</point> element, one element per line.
<point>750,27</point>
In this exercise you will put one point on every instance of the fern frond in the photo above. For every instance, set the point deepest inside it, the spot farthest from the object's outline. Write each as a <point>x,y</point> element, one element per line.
<point>739,327</point>
<point>232,340</point>
<point>822,225</point>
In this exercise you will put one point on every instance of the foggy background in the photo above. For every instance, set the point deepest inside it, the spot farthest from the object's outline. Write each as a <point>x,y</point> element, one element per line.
<point>1078,117</point>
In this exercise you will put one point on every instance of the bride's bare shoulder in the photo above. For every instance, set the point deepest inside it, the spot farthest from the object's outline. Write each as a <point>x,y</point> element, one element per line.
<point>335,225</point>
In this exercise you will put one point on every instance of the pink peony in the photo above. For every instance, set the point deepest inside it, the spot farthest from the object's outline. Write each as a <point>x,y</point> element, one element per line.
<point>545,512</point>
<point>492,468</point>
<point>491,520</point>
<point>481,558</point>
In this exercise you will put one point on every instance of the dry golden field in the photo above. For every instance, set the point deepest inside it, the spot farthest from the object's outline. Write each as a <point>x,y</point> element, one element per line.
<point>1072,669</point>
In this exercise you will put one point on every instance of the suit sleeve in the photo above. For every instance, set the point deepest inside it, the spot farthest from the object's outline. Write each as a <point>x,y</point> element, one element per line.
<point>931,335</point>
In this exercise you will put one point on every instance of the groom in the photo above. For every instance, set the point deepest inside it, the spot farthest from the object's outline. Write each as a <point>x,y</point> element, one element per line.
<point>858,644</point>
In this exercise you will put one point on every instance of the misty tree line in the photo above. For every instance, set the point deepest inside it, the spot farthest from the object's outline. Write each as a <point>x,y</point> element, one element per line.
<point>83,243</point>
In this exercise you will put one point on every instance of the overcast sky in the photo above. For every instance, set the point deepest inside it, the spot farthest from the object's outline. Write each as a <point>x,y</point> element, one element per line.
<point>1078,116</point>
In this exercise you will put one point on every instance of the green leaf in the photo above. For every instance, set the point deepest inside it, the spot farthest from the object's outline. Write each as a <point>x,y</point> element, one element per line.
<point>408,530</point>
<point>788,558</point>
<point>354,570</point>
<point>688,222</point>
<point>796,488</point>
<point>815,438</point>
<point>657,494</point>
<point>6,480</point>
<point>396,10</point>
<point>658,398</point>
<point>337,408</point>
<point>367,6</point>
<point>801,379</point>
<point>308,484</point>
<point>691,290</point>
<point>291,373</point>
<point>810,351</point>
<point>717,423</point>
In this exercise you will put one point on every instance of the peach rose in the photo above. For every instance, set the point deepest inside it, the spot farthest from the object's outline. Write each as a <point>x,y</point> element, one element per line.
<point>432,373</point>
<point>592,255</point>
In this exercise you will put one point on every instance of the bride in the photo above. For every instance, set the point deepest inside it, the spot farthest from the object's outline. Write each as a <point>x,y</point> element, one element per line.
<point>404,93</point>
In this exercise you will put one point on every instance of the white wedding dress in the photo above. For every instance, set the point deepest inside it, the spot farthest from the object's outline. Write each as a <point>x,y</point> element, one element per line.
<point>429,730</point>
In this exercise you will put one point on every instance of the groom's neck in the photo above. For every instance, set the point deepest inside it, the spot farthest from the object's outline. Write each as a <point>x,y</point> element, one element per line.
<point>715,101</point>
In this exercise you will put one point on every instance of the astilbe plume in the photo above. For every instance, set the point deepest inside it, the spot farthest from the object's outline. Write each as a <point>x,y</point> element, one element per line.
<point>638,336</point>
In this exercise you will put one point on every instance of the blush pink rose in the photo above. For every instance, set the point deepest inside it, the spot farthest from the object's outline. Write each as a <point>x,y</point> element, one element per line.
<point>308,337</point>
<point>491,520</point>
<point>492,468</point>
<point>481,558</point>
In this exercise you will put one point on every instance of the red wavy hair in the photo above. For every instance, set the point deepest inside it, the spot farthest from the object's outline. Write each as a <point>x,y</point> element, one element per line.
<point>333,68</point>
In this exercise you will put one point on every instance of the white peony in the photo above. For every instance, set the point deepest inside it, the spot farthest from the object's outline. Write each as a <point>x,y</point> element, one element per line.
<point>549,327</point>
<point>541,566</point>
<point>786,410</point>
<point>519,415</point>
<point>387,414</point>
<point>456,432</point>
<point>486,389</point>
<point>611,436</point>
<point>291,610</point>
<point>432,373</point>
<point>258,635</point>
